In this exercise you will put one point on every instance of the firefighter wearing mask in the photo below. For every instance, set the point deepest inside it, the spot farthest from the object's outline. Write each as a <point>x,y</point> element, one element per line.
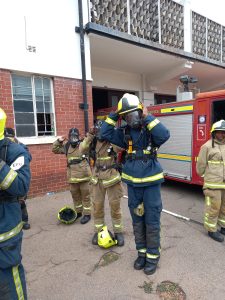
<point>78,174</point>
<point>141,136</point>
<point>211,166</point>
<point>10,134</point>
<point>14,182</point>
<point>106,179</point>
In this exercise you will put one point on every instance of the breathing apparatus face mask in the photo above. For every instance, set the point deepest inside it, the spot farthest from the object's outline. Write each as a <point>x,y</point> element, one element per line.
<point>74,138</point>
<point>133,119</point>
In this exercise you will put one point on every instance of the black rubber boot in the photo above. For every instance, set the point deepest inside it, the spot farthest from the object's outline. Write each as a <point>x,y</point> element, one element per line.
<point>85,219</point>
<point>216,236</point>
<point>26,226</point>
<point>139,263</point>
<point>222,230</point>
<point>150,266</point>
<point>120,239</point>
<point>79,214</point>
<point>95,239</point>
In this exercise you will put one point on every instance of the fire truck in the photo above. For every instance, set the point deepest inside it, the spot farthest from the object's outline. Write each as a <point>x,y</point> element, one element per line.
<point>189,123</point>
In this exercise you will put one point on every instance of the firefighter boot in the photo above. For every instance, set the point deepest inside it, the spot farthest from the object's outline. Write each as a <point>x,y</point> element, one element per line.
<point>95,239</point>
<point>26,226</point>
<point>222,230</point>
<point>139,263</point>
<point>150,266</point>
<point>216,236</point>
<point>120,239</point>
<point>85,219</point>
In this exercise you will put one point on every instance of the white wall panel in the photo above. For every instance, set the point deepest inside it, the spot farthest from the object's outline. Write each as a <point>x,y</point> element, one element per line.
<point>50,27</point>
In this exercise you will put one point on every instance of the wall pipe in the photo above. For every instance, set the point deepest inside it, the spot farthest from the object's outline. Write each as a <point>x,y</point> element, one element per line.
<point>81,31</point>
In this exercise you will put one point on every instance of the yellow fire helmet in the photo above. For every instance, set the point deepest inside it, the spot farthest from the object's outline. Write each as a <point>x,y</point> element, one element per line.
<point>218,126</point>
<point>67,215</point>
<point>2,123</point>
<point>129,103</point>
<point>105,238</point>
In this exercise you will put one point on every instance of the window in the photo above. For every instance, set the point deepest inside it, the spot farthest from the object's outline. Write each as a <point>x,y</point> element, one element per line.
<point>33,106</point>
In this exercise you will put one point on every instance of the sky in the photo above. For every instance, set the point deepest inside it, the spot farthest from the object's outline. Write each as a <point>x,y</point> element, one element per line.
<point>212,9</point>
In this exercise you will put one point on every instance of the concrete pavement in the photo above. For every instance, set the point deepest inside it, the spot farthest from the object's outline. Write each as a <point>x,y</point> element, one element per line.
<point>61,263</point>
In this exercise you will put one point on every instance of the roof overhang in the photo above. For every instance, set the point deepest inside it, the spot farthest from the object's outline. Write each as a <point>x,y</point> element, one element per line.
<point>161,65</point>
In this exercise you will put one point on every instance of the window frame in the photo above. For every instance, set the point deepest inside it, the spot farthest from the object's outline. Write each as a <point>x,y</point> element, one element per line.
<point>43,138</point>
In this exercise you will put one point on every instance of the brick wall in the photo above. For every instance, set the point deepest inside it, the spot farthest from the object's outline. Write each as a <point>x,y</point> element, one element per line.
<point>48,169</point>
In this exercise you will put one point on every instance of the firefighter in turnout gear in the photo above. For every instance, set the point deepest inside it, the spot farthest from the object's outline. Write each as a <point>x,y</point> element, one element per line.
<point>106,178</point>
<point>78,173</point>
<point>211,166</point>
<point>142,173</point>
<point>10,134</point>
<point>14,182</point>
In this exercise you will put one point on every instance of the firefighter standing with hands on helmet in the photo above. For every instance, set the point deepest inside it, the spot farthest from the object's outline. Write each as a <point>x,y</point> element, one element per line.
<point>211,166</point>
<point>106,179</point>
<point>142,173</point>
<point>78,175</point>
<point>14,182</point>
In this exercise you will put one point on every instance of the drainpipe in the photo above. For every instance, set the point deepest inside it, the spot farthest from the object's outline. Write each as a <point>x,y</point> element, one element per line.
<point>81,31</point>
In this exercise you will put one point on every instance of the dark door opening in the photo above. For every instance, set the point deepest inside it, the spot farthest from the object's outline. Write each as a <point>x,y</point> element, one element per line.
<point>105,98</point>
<point>161,99</point>
<point>218,110</point>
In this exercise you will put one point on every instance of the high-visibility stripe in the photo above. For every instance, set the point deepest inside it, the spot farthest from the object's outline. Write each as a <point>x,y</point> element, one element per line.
<point>86,208</point>
<point>77,180</point>
<point>144,151</point>
<point>207,201</point>
<point>153,124</point>
<point>8,235</point>
<point>222,221</point>
<point>110,122</point>
<point>174,157</point>
<point>74,157</point>
<point>117,225</point>
<point>142,180</point>
<point>94,180</point>
<point>78,206</point>
<point>215,162</point>
<point>214,185</point>
<point>184,108</point>
<point>208,224</point>
<point>17,282</point>
<point>153,256</point>
<point>112,180</point>
<point>142,250</point>
<point>99,225</point>
<point>104,158</point>
<point>7,181</point>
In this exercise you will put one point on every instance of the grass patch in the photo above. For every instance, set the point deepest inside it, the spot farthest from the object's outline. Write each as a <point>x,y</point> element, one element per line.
<point>168,290</point>
<point>147,286</point>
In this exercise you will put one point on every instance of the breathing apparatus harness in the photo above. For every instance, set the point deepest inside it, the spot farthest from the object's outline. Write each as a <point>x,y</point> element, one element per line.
<point>110,152</point>
<point>75,160</point>
<point>132,152</point>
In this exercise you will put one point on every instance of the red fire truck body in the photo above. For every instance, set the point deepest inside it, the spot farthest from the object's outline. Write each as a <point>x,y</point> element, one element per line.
<point>189,123</point>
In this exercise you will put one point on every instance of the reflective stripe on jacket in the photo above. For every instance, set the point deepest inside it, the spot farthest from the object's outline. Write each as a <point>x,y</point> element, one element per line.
<point>211,165</point>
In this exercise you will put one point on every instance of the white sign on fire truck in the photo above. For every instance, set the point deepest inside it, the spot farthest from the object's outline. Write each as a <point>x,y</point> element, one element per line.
<point>201,132</point>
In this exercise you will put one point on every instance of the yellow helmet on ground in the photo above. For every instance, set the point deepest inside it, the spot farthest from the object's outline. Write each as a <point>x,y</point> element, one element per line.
<point>67,215</point>
<point>129,103</point>
<point>2,123</point>
<point>105,238</point>
<point>218,126</point>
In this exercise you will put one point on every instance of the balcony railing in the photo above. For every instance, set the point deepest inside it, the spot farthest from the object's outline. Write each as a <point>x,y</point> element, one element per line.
<point>162,21</point>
